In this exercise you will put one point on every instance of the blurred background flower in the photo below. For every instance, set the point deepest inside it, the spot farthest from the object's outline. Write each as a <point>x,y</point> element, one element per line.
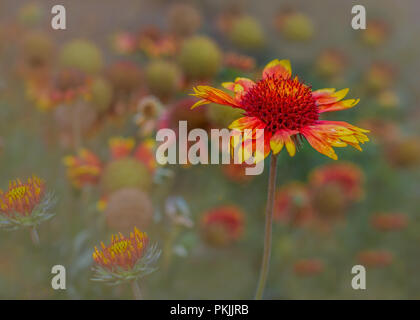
<point>222,225</point>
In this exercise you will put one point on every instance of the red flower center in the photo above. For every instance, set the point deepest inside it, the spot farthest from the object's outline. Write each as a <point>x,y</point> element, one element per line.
<point>281,104</point>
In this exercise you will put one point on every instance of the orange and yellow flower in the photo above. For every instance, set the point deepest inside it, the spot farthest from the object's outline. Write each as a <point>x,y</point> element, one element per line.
<point>223,225</point>
<point>121,147</point>
<point>65,87</point>
<point>125,259</point>
<point>154,43</point>
<point>83,169</point>
<point>25,204</point>
<point>145,153</point>
<point>286,109</point>
<point>21,198</point>
<point>375,258</point>
<point>123,252</point>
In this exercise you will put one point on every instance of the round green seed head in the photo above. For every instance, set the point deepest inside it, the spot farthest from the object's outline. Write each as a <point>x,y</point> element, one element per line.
<point>200,58</point>
<point>162,78</point>
<point>247,33</point>
<point>125,173</point>
<point>81,55</point>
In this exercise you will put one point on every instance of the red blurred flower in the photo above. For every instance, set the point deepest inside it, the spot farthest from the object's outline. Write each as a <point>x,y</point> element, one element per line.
<point>346,176</point>
<point>121,147</point>
<point>124,43</point>
<point>155,43</point>
<point>226,19</point>
<point>308,267</point>
<point>403,152</point>
<point>238,61</point>
<point>375,258</point>
<point>236,172</point>
<point>383,130</point>
<point>380,76</point>
<point>376,33</point>
<point>292,204</point>
<point>222,225</point>
<point>331,62</point>
<point>64,88</point>
<point>145,153</point>
<point>389,221</point>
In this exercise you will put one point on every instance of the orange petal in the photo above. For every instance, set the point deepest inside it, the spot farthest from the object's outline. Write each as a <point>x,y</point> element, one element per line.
<point>210,94</point>
<point>256,145</point>
<point>200,103</point>
<point>278,69</point>
<point>318,143</point>
<point>341,105</point>
<point>342,125</point>
<point>245,83</point>
<point>247,123</point>
<point>329,95</point>
<point>240,87</point>
<point>229,85</point>
<point>327,134</point>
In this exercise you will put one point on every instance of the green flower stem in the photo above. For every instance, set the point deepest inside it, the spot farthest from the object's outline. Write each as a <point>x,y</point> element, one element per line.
<point>77,126</point>
<point>268,228</point>
<point>34,236</point>
<point>136,290</point>
<point>168,247</point>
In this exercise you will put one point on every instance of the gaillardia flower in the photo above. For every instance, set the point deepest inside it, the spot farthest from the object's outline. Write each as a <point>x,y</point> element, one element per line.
<point>83,169</point>
<point>345,176</point>
<point>222,225</point>
<point>155,43</point>
<point>125,259</point>
<point>308,267</point>
<point>124,42</point>
<point>238,61</point>
<point>292,204</point>
<point>286,109</point>
<point>121,147</point>
<point>25,204</point>
<point>375,258</point>
<point>389,221</point>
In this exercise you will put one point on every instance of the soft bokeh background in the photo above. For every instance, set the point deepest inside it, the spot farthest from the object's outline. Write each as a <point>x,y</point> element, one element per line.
<point>380,229</point>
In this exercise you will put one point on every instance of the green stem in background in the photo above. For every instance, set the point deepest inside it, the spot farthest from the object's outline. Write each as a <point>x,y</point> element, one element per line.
<point>268,228</point>
<point>76,126</point>
<point>136,290</point>
<point>168,247</point>
<point>34,236</point>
